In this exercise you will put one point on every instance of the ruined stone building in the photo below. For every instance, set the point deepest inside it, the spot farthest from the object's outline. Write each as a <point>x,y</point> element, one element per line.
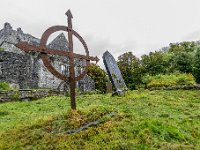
<point>27,69</point>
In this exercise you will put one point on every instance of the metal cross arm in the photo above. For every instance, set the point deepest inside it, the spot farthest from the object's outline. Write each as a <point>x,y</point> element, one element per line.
<point>32,48</point>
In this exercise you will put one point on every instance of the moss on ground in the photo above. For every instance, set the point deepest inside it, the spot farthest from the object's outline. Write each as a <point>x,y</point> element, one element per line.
<point>143,120</point>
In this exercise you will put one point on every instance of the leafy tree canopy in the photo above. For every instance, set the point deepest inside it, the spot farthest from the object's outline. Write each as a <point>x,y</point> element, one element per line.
<point>131,69</point>
<point>154,63</point>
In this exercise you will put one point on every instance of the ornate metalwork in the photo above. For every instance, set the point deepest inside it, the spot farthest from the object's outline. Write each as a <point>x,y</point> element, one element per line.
<point>44,51</point>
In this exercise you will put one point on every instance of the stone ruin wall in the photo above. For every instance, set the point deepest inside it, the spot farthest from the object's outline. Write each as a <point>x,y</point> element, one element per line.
<point>27,70</point>
<point>16,69</point>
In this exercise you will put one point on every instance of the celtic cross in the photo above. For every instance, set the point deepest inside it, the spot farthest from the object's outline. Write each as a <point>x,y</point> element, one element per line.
<point>44,51</point>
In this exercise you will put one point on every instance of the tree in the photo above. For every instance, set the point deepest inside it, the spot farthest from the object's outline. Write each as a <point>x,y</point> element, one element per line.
<point>154,63</point>
<point>182,55</point>
<point>183,47</point>
<point>182,62</point>
<point>196,66</point>
<point>99,77</point>
<point>131,69</point>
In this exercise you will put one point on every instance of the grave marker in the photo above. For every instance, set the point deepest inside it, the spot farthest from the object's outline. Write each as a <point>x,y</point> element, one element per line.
<point>114,73</point>
<point>44,51</point>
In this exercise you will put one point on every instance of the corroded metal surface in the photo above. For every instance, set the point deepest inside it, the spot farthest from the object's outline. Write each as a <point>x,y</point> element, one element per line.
<point>44,51</point>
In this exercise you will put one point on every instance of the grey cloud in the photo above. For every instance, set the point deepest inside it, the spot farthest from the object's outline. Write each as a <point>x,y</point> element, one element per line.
<point>192,36</point>
<point>118,26</point>
<point>99,45</point>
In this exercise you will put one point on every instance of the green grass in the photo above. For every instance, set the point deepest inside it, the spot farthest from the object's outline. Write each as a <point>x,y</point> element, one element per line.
<point>169,80</point>
<point>143,120</point>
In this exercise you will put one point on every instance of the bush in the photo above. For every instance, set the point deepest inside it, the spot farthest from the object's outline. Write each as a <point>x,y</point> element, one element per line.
<point>4,86</point>
<point>168,80</point>
<point>99,77</point>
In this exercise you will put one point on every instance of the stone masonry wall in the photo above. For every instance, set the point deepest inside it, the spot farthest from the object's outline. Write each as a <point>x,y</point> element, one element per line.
<point>25,69</point>
<point>26,95</point>
<point>18,69</point>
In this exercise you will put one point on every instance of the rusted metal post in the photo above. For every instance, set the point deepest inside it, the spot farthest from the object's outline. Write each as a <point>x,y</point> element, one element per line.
<point>71,61</point>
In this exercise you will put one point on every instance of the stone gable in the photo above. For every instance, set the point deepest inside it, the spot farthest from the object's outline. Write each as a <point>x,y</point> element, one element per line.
<point>27,69</point>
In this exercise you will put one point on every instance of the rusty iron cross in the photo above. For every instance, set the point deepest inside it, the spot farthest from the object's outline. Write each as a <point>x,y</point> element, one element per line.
<point>44,51</point>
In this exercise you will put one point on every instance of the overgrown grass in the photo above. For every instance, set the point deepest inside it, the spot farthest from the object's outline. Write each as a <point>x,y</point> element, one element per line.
<point>143,120</point>
<point>169,80</point>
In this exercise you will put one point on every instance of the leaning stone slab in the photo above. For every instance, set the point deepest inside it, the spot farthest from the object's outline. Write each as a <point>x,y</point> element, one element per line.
<point>114,73</point>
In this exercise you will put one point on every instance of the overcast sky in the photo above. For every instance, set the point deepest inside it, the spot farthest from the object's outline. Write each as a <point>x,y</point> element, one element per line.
<point>119,26</point>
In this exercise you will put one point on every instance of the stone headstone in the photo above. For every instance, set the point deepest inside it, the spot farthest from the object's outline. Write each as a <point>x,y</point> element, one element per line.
<point>114,73</point>
<point>86,84</point>
<point>108,87</point>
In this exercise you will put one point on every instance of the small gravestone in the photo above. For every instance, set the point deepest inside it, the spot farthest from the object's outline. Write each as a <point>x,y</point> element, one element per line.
<point>114,73</point>
<point>108,87</point>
